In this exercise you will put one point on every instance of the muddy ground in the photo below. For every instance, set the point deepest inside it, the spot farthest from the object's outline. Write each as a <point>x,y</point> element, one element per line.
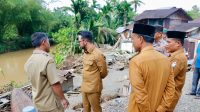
<point>115,101</point>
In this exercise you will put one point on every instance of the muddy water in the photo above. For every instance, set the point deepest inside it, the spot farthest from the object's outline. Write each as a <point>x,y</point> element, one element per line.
<point>12,65</point>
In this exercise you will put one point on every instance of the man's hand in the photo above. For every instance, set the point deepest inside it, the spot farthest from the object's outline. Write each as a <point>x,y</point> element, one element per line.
<point>58,91</point>
<point>65,103</point>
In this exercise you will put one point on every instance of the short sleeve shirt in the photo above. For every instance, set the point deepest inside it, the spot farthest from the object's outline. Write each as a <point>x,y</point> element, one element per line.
<point>42,73</point>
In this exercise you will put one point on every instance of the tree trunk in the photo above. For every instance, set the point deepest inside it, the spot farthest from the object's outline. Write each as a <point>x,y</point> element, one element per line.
<point>135,7</point>
<point>125,20</point>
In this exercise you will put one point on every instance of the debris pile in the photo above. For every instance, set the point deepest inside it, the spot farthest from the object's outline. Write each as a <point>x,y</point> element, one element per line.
<point>118,59</point>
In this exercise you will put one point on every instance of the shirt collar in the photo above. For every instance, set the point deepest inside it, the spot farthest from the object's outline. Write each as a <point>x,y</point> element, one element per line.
<point>38,51</point>
<point>90,50</point>
<point>147,48</point>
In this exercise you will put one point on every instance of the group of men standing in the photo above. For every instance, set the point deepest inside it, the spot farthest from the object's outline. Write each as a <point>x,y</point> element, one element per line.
<point>156,79</point>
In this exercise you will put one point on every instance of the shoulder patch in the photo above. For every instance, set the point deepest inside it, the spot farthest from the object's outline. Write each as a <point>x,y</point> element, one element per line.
<point>173,64</point>
<point>51,61</point>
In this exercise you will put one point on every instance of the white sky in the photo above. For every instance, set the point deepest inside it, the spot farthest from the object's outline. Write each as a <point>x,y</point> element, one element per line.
<point>148,4</point>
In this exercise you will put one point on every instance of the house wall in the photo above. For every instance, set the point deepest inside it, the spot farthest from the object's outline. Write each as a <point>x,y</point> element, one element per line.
<point>176,19</point>
<point>166,23</point>
<point>155,22</point>
<point>145,21</point>
<point>195,34</point>
<point>190,45</point>
<point>192,41</point>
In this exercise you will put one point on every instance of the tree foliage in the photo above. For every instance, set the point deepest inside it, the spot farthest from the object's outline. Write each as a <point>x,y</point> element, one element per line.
<point>20,18</point>
<point>195,12</point>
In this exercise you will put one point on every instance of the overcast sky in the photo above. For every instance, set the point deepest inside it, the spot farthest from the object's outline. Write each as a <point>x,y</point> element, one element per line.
<point>148,4</point>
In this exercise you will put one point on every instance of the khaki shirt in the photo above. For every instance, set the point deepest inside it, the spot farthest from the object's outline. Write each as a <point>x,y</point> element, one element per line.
<point>42,73</point>
<point>151,81</point>
<point>179,66</point>
<point>94,70</point>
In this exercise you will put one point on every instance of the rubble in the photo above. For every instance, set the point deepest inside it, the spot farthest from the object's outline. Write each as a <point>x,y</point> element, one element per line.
<point>115,105</point>
<point>6,106</point>
<point>72,62</point>
<point>108,97</point>
<point>118,59</point>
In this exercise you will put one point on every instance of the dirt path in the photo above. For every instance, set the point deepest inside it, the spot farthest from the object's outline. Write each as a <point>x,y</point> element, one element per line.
<point>188,103</point>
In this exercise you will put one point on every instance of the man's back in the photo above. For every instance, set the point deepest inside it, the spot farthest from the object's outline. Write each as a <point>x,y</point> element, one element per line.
<point>149,73</point>
<point>38,70</point>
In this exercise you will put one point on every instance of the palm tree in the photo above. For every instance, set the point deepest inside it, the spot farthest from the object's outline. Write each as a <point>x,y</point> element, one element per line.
<point>95,5</point>
<point>102,34</point>
<point>137,3</point>
<point>123,10</point>
<point>106,15</point>
<point>79,8</point>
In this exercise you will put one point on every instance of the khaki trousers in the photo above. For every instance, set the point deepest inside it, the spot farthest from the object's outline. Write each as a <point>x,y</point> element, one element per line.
<point>91,100</point>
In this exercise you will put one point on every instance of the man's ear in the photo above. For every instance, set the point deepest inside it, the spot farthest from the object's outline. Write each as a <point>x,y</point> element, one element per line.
<point>178,42</point>
<point>43,41</point>
<point>141,39</point>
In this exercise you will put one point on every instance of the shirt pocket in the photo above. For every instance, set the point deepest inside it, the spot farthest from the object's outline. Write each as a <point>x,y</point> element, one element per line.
<point>89,65</point>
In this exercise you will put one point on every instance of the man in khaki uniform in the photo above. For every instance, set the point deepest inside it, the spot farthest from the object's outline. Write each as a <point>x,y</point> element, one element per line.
<point>41,70</point>
<point>178,61</point>
<point>94,70</point>
<point>149,73</point>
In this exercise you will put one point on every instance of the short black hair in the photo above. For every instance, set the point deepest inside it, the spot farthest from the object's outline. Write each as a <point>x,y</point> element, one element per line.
<point>147,38</point>
<point>86,35</point>
<point>37,38</point>
<point>180,40</point>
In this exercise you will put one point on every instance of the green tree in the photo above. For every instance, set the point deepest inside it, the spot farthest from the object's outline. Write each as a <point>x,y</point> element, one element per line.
<point>124,12</point>
<point>67,43</point>
<point>19,19</point>
<point>106,14</point>
<point>80,10</point>
<point>102,21</point>
<point>95,5</point>
<point>195,12</point>
<point>64,19</point>
<point>136,4</point>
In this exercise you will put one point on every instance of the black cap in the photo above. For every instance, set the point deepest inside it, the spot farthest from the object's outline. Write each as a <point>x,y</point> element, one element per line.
<point>85,34</point>
<point>176,34</point>
<point>142,29</point>
<point>159,28</point>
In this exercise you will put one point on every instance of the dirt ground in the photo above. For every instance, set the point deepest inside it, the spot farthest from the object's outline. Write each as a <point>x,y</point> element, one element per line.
<point>114,101</point>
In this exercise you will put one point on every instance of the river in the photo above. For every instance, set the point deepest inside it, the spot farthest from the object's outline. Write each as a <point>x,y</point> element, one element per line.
<point>12,65</point>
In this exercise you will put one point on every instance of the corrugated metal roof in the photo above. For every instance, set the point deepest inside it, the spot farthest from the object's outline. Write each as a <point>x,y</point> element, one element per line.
<point>159,13</point>
<point>196,20</point>
<point>186,27</point>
